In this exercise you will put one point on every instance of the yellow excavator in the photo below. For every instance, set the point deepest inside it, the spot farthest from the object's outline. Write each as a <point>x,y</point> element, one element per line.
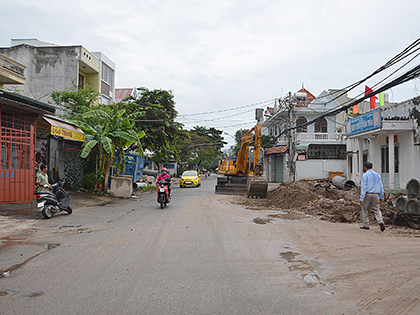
<point>245,173</point>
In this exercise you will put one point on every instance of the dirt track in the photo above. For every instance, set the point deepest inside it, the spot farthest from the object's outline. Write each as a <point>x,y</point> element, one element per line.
<point>378,271</point>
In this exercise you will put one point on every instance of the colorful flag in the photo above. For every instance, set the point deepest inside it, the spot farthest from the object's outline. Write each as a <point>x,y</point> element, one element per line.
<point>381,98</point>
<point>373,99</point>
<point>355,109</point>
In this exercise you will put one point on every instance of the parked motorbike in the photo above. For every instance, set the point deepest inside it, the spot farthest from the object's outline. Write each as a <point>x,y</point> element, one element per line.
<point>163,196</point>
<point>53,202</point>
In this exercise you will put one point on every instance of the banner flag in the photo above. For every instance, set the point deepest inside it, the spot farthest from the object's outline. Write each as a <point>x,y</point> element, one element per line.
<point>373,99</point>
<point>355,109</point>
<point>381,98</point>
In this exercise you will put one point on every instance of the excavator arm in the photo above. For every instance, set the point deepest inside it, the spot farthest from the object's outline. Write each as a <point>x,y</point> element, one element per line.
<point>245,173</point>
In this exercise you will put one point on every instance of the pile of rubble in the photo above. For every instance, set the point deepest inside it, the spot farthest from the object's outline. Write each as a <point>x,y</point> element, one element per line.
<point>320,198</point>
<point>145,180</point>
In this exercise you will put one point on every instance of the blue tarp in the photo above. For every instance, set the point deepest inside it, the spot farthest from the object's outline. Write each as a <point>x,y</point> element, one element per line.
<point>134,166</point>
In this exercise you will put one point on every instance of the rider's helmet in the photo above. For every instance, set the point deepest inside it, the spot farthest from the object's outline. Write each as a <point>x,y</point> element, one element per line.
<point>164,169</point>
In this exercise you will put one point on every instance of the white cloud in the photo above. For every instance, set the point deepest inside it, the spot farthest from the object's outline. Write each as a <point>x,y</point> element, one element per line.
<point>223,54</point>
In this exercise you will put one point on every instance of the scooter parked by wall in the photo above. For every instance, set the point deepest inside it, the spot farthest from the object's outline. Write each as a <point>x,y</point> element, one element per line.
<point>163,195</point>
<point>57,200</point>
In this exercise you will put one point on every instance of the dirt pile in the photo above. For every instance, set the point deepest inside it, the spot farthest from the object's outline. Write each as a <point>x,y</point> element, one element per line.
<point>329,203</point>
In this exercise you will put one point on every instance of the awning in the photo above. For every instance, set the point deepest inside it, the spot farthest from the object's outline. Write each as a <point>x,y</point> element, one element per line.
<point>61,129</point>
<point>276,150</point>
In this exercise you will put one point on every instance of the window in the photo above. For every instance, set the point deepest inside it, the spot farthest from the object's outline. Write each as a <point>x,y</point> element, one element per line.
<point>327,152</point>
<point>299,124</point>
<point>15,138</point>
<point>321,125</point>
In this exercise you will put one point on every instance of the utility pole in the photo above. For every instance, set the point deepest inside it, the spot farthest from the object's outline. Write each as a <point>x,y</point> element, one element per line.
<point>290,103</point>
<point>291,137</point>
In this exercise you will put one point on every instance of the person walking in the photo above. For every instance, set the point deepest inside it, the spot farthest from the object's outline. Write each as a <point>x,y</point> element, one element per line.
<point>372,193</point>
<point>42,179</point>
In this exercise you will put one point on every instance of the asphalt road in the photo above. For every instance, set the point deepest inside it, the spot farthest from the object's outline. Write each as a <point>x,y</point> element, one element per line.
<point>199,255</point>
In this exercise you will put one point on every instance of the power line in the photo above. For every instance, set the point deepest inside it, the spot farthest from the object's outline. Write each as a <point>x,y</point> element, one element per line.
<point>409,75</point>
<point>230,109</point>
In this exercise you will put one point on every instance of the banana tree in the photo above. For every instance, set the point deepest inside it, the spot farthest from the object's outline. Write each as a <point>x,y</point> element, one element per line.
<point>113,131</point>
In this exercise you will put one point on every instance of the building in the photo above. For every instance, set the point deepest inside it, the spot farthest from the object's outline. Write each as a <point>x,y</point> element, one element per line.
<point>51,67</point>
<point>18,115</point>
<point>389,137</point>
<point>318,148</point>
<point>30,135</point>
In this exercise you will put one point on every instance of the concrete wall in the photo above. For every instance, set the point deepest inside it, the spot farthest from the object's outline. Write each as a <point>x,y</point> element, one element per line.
<point>48,69</point>
<point>319,168</point>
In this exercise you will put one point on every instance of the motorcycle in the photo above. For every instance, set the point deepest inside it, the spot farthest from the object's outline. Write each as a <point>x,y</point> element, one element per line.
<point>53,202</point>
<point>163,196</point>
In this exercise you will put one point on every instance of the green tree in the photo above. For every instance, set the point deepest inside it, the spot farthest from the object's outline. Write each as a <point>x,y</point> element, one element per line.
<point>204,149</point>
<point>75,102</point>
<point>113,133</point>
<point>164,136</point>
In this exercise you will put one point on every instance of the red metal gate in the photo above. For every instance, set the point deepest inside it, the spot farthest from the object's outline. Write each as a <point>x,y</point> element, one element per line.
<point>17,164</point>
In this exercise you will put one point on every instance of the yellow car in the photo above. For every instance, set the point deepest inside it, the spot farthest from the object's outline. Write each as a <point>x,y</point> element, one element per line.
<point>190,178</point>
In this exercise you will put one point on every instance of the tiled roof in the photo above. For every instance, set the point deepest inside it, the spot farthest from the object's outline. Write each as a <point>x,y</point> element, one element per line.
<point>276,150</point>
<point>123,93</point>
<point>309,98</point>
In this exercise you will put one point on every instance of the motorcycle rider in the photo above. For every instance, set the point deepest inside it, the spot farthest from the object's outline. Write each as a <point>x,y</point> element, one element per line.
<point>164,175</point>
<point>42,179</point>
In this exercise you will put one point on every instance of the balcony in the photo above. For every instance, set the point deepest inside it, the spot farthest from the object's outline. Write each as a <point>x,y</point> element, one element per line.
<point>316,137</point>
<point>11,72</point>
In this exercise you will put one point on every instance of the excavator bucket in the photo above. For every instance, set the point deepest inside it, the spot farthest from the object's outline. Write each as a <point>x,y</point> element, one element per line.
<point>256,186</point>
<point>230,185</point>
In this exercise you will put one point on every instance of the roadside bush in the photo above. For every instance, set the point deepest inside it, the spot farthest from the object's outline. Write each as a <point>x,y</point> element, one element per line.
<point>89,181</point>
<point>73,172</point>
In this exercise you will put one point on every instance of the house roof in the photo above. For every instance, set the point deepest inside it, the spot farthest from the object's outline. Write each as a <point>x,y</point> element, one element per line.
<point>121,94</point>
<point>309,98</point>
<point>276,150</point>
<point>26,103</point>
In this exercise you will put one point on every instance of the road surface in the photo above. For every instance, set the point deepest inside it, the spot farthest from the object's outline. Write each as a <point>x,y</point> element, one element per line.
<point>199,255</point>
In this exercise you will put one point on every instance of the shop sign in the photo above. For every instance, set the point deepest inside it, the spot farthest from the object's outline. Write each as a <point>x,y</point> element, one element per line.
<point>369,121</point>
<point>42,126</point>
<point>60,132</point>
<point>301,157</point>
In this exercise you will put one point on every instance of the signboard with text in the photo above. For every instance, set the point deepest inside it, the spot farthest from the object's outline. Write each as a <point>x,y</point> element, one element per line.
<point>61,132</point>
<point>366,122</point>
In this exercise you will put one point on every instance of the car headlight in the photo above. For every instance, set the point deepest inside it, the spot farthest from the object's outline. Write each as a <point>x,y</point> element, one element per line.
<point>195,178</point>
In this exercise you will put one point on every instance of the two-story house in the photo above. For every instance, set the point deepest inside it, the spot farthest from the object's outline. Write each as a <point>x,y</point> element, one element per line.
<point>51,67</point>
<point>317,148</point>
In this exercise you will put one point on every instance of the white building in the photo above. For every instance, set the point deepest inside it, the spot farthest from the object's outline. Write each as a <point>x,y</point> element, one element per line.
<point>319,147</point>
<point>389,137</point>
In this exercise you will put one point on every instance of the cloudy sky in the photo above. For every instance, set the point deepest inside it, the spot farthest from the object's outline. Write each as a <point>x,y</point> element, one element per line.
<point>220,55</point>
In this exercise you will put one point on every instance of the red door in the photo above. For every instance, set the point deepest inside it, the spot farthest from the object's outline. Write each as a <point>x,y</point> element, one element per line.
<point>17,164</point>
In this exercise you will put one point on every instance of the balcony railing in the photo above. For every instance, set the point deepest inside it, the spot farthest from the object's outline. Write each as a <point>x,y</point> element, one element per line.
<point>317,136</point>
<point>11,72</point>
<point>11,65</point>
